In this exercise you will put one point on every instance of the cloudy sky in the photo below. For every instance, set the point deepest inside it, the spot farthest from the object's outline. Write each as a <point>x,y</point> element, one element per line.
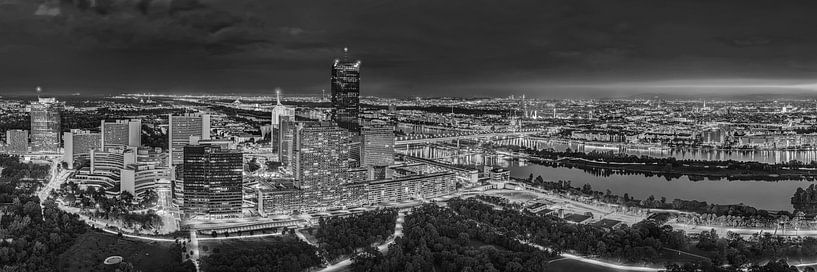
<point>545,48</point>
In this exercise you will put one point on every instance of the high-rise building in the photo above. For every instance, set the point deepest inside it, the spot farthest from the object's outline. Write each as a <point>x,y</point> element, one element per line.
<point>105,169</point>
<point>213,181</point>
<point>45,125</point>
<point>286,142</point>
<point>345,79</point>
<point>181,129</point>
<point>377,146</point>
<point>322,153</point>
<point>17,141</point>
<point>79,143</point>
<point>122,132</point>
<point>279,112</point>
<point>146,173</point>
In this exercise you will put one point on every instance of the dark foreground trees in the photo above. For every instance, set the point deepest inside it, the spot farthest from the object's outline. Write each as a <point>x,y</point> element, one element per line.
<point>438,239</point>
<point>279,255</point>
<point>32,238</point>
<point>340,236</point>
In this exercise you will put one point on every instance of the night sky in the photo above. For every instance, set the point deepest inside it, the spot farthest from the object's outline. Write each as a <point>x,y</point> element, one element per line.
<point>542,48</point>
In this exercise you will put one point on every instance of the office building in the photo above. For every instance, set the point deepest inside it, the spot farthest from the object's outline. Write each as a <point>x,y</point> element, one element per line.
<point>286,142</point>
<point>17,141</point>
<point>124,169</point>
<point>323,152</point>
<point>122,132</point>
<point>213,181</point>
<point>279,113</point>
<point>181,129</point>
<point>45,125</point>
<point>78,144</point>
<point>105,169</point>
<point>277,198</point>
<point>345,81</point>
<point>377,146</point>
<point>146,173</point>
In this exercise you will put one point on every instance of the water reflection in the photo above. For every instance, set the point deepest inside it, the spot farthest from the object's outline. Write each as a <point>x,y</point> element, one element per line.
<point>759,194</point>
<point>766,156</point>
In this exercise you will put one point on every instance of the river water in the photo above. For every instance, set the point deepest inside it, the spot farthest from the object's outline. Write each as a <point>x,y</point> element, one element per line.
<point>759,194</point>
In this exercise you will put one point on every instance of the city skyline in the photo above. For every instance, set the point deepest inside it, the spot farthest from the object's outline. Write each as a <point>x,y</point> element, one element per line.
<point>542,48</point>
<point>411,135</point>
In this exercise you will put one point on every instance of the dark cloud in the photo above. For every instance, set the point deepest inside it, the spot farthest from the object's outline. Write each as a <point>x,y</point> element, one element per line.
<point>423,47</point>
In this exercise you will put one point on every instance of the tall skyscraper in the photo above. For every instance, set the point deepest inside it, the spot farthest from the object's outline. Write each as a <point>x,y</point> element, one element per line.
<point>45,125</point>
<point>279,112</point>
<point>377,146</point>
<point>345,79</point>
<point>17,141</point>
<point>181,128</point>
<point>213,181</point>
<point>286,142</point>
<point>79,143</point>
<point>122,132</point>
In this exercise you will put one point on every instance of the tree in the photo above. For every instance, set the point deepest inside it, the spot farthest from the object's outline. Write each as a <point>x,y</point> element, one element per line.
<point>126,197</point>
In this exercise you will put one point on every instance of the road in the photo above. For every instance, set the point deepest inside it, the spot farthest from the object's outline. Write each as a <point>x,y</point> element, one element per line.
<point>596,262</point>
<point>722,230</point>
<point>194,247</point>
<point>56,176</point>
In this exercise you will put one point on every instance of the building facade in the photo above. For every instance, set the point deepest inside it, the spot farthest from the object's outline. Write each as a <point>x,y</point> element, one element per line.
<point>213,181</point>
<point>280,113</point>
<point>78,144</point>
<point>345,81</point>
<point>17,141</point>
<point>286,142</point>
<point>322,152</point>
<point>122,132</point>
<point>181,129</point>
<point>377,146</point>
<point>45,125</point>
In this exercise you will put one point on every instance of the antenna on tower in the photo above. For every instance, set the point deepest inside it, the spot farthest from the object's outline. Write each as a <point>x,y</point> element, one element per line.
<point>278,95</point>
<point>39,90</point>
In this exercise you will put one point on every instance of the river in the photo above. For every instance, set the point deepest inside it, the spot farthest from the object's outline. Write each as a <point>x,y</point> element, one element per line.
<point>759,194</point>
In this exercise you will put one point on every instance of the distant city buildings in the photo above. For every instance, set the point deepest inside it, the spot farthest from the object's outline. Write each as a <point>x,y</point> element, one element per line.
<point>45,125</point>
<point>213,181</point>
<point>121,132</point>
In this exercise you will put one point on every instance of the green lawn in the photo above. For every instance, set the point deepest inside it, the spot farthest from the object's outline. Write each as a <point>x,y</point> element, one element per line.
<point>206,247</point>
<point>568,265</point>
<point>91,249</point>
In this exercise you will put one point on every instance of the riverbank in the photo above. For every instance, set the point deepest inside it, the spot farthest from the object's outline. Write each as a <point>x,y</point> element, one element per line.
<point>609,163</point>
<point>692,170</point>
